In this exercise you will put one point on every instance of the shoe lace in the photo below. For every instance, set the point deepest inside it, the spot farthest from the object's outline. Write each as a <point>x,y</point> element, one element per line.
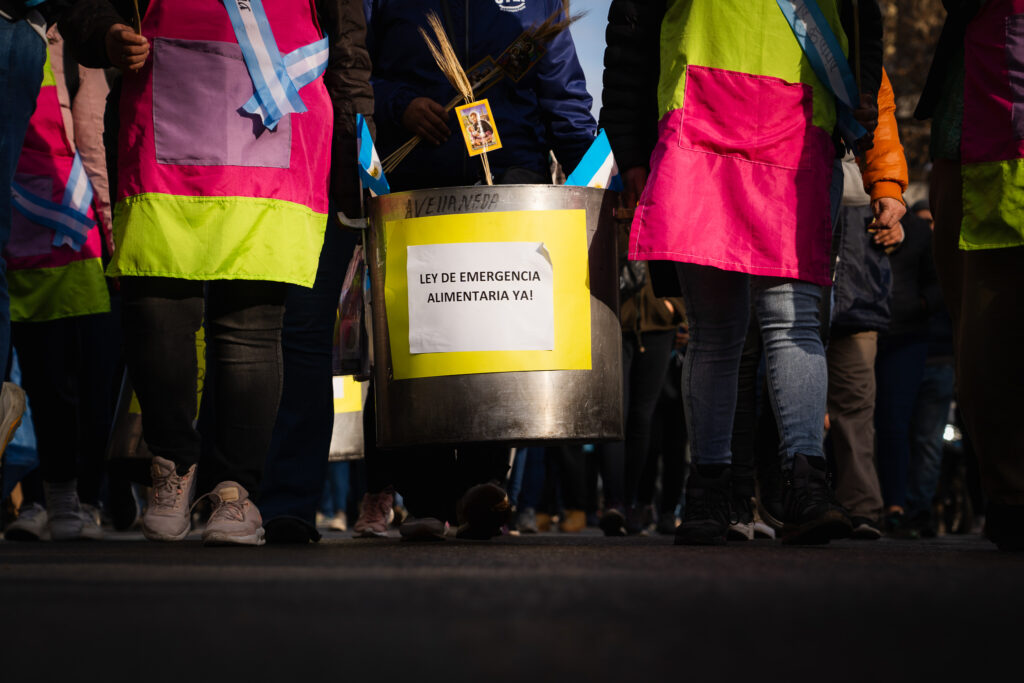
<point>168,489</point>
<point>226,509</point>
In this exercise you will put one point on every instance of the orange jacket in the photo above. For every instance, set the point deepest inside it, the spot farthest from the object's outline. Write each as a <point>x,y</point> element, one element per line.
<point>885,165</point>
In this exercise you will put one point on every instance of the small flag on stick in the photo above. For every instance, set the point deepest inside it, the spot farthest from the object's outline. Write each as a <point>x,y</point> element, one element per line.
<point>597,168</point>
<point>370,170</point>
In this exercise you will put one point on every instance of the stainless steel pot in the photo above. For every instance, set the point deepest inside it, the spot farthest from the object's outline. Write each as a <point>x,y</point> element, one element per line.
<point>549,406</point>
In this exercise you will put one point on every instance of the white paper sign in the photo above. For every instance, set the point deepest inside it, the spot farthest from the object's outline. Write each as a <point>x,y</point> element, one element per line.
<point>480,296</point>
<point>339,387</point>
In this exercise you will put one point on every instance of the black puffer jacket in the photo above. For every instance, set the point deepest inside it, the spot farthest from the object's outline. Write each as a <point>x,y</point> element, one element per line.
<point>915,288</point>
<point>347,78</point>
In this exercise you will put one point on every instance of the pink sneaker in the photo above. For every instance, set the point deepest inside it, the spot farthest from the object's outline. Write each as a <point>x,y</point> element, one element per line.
<point>167,516</point>
<point>235,520</point>
<point>375,514</point>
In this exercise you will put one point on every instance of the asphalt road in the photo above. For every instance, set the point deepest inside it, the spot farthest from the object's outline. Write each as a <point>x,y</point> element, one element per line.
<point>553,607</point>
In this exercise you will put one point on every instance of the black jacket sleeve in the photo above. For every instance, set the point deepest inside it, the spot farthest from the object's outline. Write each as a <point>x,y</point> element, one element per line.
<point>951,41</point>
<point>864,31</point>
<point>629,108</point>
<point>84,28</point>
<point>348,83</point>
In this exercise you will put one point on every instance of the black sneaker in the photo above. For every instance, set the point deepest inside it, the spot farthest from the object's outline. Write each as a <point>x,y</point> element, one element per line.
<point>811,515</point>
<point>484,512</point>
<point>612,523</point>
<point>865,529</point>
<point>898,526</point>
<point>706,516</point>
<point>741,523</point>
<point>1004,526</point>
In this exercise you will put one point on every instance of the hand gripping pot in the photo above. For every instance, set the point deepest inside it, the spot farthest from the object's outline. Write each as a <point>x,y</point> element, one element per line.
<point>495,316</point>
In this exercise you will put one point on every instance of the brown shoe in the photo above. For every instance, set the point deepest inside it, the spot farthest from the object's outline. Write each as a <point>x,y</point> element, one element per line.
<point>573,521</point>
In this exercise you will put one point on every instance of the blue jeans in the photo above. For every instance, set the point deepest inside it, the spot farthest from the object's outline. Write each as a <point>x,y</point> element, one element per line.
<point>22,55</point>
<point>335,498</point>
<point>296,467</point>
<point>718,304</point>
<point>931,413</point>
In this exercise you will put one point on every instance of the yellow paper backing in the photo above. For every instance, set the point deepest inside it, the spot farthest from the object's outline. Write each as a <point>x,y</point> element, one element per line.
<point>564,234</point>
<point>352,401</point>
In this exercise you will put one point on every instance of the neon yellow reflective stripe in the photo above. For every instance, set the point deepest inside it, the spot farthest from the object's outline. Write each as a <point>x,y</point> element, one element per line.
<point>41,294</point>
<point>48,77</point>
<point>217,238</point>
<point>748,36</point>
<point>993,205</point>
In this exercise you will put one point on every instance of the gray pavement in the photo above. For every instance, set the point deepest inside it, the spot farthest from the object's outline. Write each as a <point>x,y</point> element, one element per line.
<point>553,607</point>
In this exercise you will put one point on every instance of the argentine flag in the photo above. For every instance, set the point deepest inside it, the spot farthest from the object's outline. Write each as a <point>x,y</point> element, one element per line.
<point>597,168</point>
<point>370,170</point>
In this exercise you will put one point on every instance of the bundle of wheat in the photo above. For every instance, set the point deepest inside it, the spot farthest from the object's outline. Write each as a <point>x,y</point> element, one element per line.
<point>444,55</point>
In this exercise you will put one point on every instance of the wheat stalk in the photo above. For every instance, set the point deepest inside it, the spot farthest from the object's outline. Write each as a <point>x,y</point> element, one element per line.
<point>448,62</point>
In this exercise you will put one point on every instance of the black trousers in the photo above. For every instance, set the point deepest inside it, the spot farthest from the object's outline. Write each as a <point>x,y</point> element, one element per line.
<point>243,370</point>
<point>70,369</point>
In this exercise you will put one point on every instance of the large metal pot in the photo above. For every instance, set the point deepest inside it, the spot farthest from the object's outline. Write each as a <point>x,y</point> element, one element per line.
<point>545,406</point>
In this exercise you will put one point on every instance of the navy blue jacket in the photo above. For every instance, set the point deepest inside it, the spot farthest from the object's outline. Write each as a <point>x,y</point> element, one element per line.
<point>547,110</point>
<point>863,277</point>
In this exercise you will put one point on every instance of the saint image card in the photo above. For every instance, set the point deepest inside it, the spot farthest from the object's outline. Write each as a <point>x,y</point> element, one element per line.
<point>478,128</point>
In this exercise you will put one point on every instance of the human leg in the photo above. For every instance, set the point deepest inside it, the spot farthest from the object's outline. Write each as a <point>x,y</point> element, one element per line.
<point>796,373</point>
<point>928,425</point>
<point>296,464</point>
<point>22,55</point>
<point>160,319</point>
<point>851,410</point>
<point>717,309</point>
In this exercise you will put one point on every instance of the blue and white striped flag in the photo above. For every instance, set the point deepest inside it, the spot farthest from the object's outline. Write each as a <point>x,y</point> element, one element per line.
<point>277,94</point>
<point>71,226</point>
<point>825,54</point>
<point>371,172</point>
<point>78,196</point>
<point>304,66</point>
<point>598,167</point>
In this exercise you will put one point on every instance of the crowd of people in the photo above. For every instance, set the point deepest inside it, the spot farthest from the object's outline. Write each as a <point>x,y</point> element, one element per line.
<point>179,184</point>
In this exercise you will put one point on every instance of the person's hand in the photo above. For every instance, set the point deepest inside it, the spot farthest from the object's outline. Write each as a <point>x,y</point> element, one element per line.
<point>633,181</point>
<point>682,337</point>
<point>428,119</point>
<point>888,212</point>
<point>888,238</point>
<point>126,49</point>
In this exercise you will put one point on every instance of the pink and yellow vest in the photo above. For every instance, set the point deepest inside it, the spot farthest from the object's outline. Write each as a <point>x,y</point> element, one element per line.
<point>48,282</point>
<point>992,143</point>
<point>741,171</point>
<point>206,192</point>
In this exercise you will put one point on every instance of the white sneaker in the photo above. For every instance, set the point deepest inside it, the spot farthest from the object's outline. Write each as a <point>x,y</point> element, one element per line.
<point>29,526</point>
<point>167,515</point>
<point>12,407</point>
<point>92,526</point>
<point>67,519</point>
<point>339,522</point>
<point>235,520</point>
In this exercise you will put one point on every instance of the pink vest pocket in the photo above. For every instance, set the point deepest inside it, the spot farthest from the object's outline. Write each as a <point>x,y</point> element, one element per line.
<point>199,88</point>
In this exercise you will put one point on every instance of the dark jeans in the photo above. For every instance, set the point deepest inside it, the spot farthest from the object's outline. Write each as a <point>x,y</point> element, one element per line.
<point>564,479</point>
<point>22,55</point>
<point>643,370</point>
<point>668,445</point>
<point>243,370</point>
<point>898,370</point>
<point>931,414</point>
<point>70,369</point>
<point>296,465</point>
